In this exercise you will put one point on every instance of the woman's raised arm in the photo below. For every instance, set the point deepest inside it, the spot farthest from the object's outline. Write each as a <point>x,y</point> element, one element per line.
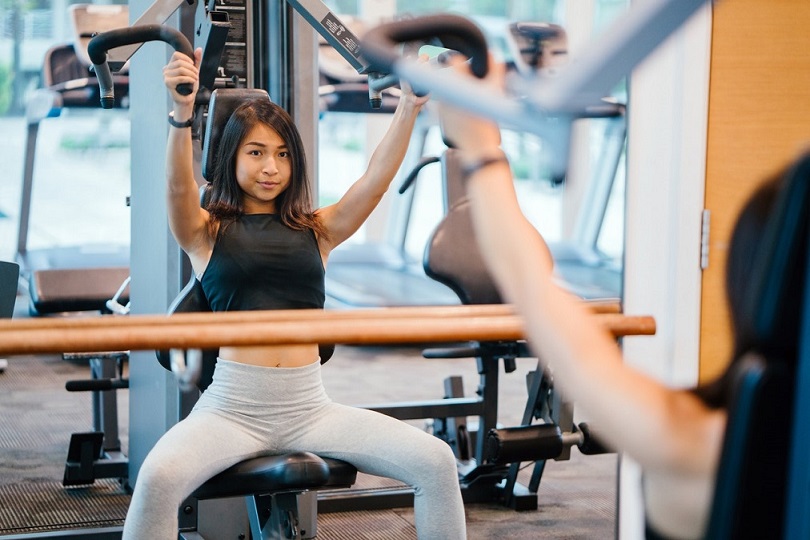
<point>187,220</point>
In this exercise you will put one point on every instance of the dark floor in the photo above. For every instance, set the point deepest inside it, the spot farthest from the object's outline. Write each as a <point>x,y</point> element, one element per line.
<point>576,499</point>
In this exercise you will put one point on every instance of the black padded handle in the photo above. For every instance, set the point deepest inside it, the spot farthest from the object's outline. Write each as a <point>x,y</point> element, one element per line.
<point>455,32</point>
<point>98,46</point>
<point>96,385</point>
<point>591,444</point>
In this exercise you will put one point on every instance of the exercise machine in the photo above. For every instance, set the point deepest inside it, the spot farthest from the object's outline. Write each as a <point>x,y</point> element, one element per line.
<point>9,276</point>
<point>488,455</point>
<point>97,454</point>
<point>762,479</point>
<point>82,277</point>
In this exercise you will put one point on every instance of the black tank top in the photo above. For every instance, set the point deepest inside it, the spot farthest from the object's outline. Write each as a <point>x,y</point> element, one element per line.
<point>259,263</point>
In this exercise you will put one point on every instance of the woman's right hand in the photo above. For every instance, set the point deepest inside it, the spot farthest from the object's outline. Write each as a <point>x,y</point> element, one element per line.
<point>463,129</point>
<point>182,69</point>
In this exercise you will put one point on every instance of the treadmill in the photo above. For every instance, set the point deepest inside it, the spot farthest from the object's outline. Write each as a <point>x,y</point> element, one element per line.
<point>82,277</point>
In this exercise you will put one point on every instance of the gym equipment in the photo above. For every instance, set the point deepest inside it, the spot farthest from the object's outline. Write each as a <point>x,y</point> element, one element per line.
<point>491,456</point>
<point>97,454</point>
<point>80,278</point>
<point>763,472</point>
<point>582,268</point>
<point>343,87</point>
<point>100,43</point>
<point>9,277</point>
<point>342,39</point>
<point>538,104</point>
<point>366,277</point>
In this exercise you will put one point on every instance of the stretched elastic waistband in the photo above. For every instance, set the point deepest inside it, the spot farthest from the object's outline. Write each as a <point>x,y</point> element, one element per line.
<point>267,384</point>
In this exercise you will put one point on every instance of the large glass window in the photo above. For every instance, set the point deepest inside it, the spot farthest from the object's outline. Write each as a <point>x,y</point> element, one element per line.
<point>80,179</point>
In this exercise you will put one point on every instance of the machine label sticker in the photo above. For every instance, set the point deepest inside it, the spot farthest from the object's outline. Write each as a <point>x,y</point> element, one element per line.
<point>342,34</point>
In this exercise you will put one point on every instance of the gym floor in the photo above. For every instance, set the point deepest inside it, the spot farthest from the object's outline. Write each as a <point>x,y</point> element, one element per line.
<point>576,499</point>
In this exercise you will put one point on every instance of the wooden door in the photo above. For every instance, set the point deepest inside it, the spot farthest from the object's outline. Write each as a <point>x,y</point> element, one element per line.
<point>759,120</point>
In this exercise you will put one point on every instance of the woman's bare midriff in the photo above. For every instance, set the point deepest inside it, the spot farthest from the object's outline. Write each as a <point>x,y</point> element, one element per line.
<point>282,356</point>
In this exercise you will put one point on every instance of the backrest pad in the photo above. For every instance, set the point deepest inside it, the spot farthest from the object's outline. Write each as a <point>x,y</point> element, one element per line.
<point>220,108</point>
<point>452,256</point>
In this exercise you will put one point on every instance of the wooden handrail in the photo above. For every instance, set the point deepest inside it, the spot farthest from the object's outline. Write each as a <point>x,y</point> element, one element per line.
<point>312,326</point>
<point>301,315</point>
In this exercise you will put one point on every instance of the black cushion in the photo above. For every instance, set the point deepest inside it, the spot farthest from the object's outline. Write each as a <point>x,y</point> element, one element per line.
<point>266,474</point>
<point>220,108</point>
<point>341,474</point>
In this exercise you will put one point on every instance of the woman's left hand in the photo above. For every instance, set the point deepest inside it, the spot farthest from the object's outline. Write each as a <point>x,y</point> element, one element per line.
<point>408,93</point>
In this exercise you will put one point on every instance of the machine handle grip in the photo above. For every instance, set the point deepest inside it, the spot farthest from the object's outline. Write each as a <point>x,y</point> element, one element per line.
<point>380,49</point>
<point>101,43</point>
<point>96,385</point>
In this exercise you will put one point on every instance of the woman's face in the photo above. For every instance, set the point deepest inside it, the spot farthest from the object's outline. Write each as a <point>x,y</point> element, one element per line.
<point>263,169</point>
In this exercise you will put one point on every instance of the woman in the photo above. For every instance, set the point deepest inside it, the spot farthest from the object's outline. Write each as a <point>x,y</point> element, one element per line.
<point>258,245</point>
<point>676,435</point>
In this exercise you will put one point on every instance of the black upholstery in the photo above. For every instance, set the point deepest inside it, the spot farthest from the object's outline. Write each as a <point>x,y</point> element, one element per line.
<point>220,107</point>
<point>192,300</point>
<point>752,479</point>
<point>9,276</point>
<point>293,471</point>
<point>267,473</point>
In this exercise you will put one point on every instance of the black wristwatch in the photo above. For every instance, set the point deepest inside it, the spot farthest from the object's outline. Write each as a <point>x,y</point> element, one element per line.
<point>175,123</point>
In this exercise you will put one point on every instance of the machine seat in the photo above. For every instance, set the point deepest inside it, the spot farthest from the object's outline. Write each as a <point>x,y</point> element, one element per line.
<point>293,471</point>
<point>57,290</point>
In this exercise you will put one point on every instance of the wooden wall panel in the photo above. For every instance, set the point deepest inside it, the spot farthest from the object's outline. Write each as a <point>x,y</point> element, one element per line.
<point>759,119</point>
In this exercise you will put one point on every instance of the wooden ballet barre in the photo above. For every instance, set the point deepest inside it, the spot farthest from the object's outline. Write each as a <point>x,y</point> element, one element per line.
<point>208,331</point>
<point>301,315</point>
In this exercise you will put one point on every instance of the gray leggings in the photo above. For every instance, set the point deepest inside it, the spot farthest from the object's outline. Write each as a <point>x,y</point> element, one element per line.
<point>251,410</point>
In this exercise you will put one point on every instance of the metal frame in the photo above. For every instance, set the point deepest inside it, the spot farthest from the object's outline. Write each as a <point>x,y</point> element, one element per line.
<point>576,88</point>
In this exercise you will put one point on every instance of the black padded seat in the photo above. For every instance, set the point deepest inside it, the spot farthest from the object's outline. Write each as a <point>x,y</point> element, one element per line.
<point>263,474</point>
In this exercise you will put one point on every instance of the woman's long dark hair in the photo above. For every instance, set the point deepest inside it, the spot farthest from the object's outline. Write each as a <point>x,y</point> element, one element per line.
<point>224,196</point>
<point>745,247</point>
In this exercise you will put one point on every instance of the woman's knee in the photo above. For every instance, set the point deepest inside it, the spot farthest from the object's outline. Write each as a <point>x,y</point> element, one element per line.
<point>438,456</point>
<point>157,480</point>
